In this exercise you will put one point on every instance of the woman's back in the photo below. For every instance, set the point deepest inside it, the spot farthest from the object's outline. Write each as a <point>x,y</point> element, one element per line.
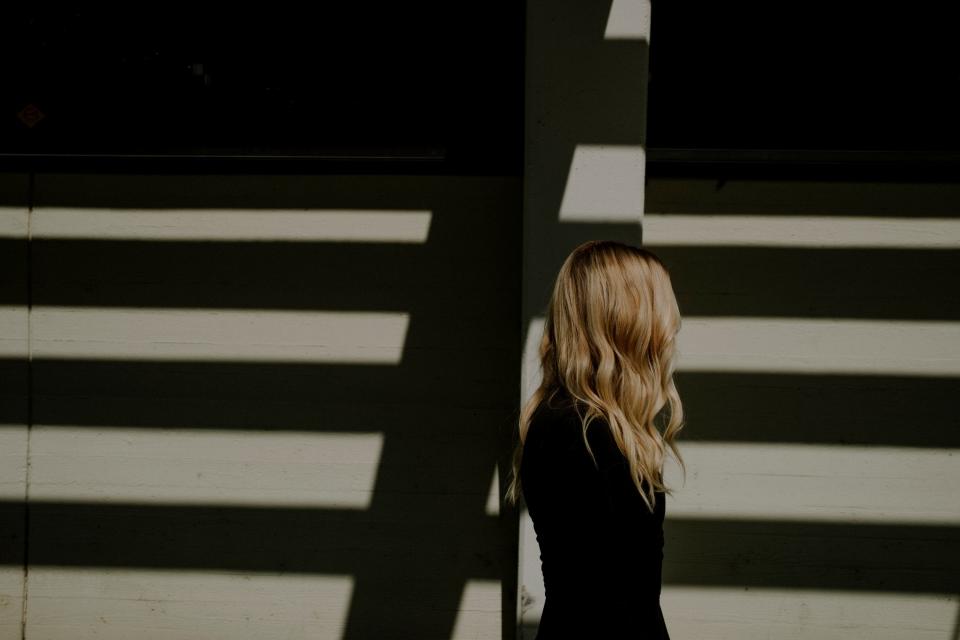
<point>601,549</point>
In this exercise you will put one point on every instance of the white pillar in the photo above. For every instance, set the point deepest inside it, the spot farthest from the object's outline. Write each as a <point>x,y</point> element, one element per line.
<point>585,127</point>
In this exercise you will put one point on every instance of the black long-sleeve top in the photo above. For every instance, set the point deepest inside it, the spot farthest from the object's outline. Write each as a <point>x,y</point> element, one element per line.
<point>601,549</point>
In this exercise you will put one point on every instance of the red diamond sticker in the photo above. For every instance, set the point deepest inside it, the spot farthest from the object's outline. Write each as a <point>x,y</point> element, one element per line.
<point>30,115</point>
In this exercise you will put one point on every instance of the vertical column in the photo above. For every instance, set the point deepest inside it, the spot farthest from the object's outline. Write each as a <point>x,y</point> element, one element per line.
<point>14,397</point>
<point>586,96</point>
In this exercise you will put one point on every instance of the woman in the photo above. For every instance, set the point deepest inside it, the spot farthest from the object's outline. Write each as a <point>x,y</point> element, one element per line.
<point>593,439</point>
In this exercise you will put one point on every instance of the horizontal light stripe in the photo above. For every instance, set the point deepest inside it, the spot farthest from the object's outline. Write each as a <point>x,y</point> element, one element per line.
<point>795,614</point>
<point>604,184</point>
<point>531,374</point>
<point>479,613</point>
<point>842,483</point>
<point>493,497</point>
<point>147,604</point>
<point>532,593</point>
<point>661,229</point>
<point>183,466</point>
<point>13,222</point>
<point>820,345</point>
<point>799,345</point>
<point>14,329</point>
<point>11,599</point>
<point>258,225</point>
<point>628,20</point>
<point>13,458</point>
<point>220,334</point>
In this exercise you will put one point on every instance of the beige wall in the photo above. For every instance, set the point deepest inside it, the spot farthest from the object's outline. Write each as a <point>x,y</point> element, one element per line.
<point>820,355</point>
<point>261,406</point>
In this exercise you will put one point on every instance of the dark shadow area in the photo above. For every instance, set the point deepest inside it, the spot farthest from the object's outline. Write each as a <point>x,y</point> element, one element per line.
<point>445,411</point>
<point>385,87</point>
<point>381,547</point>
<point>794,408</point>
<point>881,284</point>
<point>899,411</point>
<point>751,76</point>
<point>812,555</point>
<point>796,197</point>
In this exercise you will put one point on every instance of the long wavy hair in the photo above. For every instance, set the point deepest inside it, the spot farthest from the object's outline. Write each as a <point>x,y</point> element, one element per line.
<point>610,340</point>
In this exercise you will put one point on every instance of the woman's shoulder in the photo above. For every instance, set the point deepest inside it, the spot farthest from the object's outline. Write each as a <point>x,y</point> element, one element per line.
<point>555,414</point>
<point>559,419</point>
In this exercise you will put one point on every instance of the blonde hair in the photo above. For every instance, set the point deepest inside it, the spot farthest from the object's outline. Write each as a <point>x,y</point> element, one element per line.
<point>610,340</point>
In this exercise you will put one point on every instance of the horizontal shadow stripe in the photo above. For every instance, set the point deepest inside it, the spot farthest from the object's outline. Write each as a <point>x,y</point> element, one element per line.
<point>188,191</point>
<point>827,409</point>
<point>805,555</point>
<point>728,407</point>
<point>798,198</point>
<point>453,543</point>
<point>710,281</point>
<point>880,284</point>
<point>697,552</point>
<point>246,275</point>
<point>271,396</point>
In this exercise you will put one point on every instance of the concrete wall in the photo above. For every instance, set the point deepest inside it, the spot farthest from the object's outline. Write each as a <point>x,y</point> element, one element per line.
<point>820,356</point>
<point>257,406</point>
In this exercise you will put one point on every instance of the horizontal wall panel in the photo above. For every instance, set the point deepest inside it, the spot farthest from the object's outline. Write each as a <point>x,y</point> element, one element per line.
<point>184,466</point>
<point>797,554</point>
<point>663,229</point>
<point>819,345</point>
<point>119,604</point>
<point>13,332</point>
<point>406,530</point>
<point>14,221</point>
<point>815,483</point>
<point>799,614</point>
<point>802,197</point>
<point>225,335</point>
<point>868,283</point>
<point>249,224</point>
